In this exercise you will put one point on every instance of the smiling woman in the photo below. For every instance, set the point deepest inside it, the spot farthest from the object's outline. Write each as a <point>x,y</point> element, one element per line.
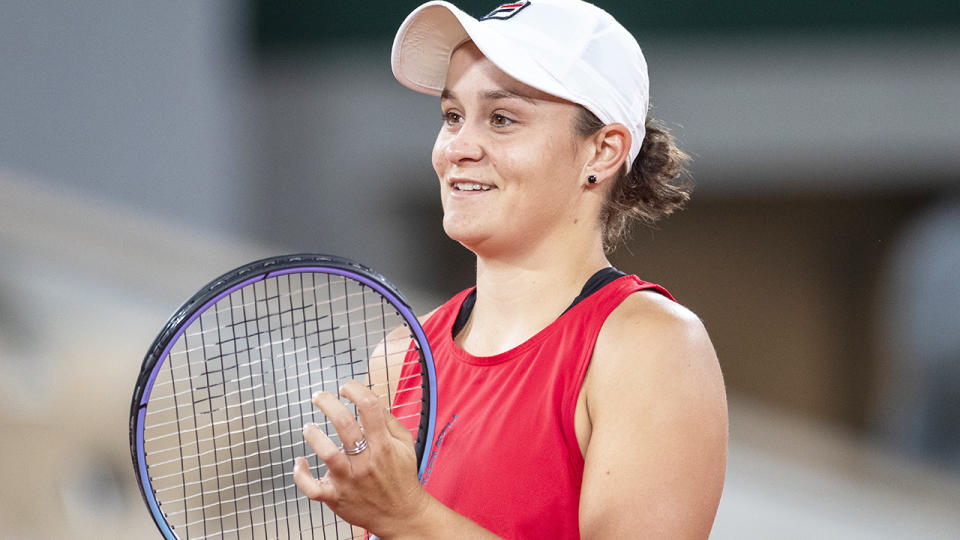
<point>519,144</point>
<point>576,400</point>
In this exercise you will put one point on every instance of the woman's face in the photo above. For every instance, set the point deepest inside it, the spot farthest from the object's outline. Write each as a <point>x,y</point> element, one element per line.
<point>510,166</point>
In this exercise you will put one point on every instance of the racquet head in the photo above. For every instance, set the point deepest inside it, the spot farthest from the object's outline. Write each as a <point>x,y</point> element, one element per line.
<point>226,387</point>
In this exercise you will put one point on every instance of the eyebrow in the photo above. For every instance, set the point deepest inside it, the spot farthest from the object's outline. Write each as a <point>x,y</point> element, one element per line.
<point>493,95</point>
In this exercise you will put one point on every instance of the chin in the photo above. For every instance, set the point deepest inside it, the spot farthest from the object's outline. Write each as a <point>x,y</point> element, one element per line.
<point>469,235</point>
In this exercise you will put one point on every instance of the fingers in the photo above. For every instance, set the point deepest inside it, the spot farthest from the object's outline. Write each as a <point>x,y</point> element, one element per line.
<point>328,452</point>
<point>377,430</point>
<point>363,487</point>
<point>378,424</point>
<point>340,417</point>
<point>311,487</point>
<point>369,410</point>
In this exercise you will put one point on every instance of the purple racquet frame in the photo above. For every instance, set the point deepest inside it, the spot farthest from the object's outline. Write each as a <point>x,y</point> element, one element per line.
<point>235,280</point>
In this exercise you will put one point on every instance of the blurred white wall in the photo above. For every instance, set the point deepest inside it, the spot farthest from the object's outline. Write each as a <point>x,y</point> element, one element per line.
<point>791,478</point>
<point>135,102</point>
<point>816,111</point>
<point>117,120</point>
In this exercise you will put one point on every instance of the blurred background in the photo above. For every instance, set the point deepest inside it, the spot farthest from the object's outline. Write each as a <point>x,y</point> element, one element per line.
<point>146,147</point>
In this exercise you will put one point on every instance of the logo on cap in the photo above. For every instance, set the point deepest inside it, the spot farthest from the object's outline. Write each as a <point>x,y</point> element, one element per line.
<point>505,11</point>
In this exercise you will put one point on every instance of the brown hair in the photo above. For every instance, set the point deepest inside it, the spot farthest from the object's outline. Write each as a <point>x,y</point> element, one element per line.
<point>656,185</point>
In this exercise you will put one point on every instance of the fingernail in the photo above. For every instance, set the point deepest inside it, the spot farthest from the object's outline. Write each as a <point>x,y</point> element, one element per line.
<point>309,425</point>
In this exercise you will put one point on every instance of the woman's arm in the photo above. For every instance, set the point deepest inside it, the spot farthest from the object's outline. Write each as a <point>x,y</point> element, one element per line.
<point>657,414</point>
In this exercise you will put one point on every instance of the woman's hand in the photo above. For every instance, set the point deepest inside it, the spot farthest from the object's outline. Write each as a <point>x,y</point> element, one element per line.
<point>377,488</point>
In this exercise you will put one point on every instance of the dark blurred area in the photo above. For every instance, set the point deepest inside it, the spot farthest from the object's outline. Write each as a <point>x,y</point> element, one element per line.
<point>287,26</point>
<point>147,147</point>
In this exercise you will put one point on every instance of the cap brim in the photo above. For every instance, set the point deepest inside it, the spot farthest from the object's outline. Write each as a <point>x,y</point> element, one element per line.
<point>429,35</point>
<point>424,43</point>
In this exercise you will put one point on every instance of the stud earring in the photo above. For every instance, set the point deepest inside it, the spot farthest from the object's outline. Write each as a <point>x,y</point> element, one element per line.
<point>591,179</point>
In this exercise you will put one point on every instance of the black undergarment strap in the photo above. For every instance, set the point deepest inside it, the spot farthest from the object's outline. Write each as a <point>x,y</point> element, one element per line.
<point>594,284</point>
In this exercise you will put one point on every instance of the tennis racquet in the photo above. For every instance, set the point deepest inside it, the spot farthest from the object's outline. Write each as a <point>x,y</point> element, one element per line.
<point>226,387</point>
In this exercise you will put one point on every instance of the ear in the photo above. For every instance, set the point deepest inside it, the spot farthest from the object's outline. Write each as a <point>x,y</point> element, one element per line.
<point>611,149</point>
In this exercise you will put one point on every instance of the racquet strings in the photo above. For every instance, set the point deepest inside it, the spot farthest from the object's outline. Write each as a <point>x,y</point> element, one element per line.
<point>225,415</point>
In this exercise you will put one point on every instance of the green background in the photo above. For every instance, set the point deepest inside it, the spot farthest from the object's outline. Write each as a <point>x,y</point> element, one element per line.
<point>298,25</point>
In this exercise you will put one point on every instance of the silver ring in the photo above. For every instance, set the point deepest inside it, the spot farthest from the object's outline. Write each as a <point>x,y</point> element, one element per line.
<point>358,447</point>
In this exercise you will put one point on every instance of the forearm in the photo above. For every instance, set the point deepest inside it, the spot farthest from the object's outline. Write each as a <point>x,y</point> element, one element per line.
<point>438,521</point>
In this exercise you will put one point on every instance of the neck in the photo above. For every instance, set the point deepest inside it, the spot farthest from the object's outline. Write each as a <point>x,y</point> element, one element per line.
<point>517,297</point>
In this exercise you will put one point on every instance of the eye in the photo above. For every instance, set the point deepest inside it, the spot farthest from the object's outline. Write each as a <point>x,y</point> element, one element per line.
<point>500,120</point>
<point>451,118</point>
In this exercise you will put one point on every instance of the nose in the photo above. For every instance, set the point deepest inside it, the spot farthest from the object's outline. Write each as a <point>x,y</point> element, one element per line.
<point>464,146</point>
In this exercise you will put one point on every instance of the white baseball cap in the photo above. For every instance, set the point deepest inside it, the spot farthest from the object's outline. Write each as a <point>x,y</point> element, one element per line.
<point>567,48</point>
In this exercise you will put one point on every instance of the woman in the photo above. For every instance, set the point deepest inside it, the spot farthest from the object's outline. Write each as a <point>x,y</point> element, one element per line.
<point>573,400</point>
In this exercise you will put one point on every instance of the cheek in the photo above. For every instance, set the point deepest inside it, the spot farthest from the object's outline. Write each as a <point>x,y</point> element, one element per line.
<point>544,167</point>
<point>437,156</point>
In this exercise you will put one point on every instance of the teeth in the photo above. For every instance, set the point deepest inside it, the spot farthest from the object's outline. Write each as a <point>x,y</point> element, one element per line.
<point>464,186</point>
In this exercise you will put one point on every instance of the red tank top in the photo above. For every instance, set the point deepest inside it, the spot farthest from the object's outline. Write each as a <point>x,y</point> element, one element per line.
<point>505,453</point>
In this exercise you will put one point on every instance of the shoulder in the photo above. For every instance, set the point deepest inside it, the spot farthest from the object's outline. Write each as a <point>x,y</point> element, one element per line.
<point>654,356</point>
<point>422,319</point>
<point>399,336</point>
<point>648,330</point>
<point>657,412</point>
<point>401,333</point>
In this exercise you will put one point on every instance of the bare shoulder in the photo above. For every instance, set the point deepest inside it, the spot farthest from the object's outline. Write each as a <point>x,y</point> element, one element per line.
<point>393,347</point>
<point>652,335</point>
<point>658,352</point>
<point>387,359</point>
<point>649,310</point>
<point>657,415</point>
<point>401,333</point>
<point>423,318</point>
